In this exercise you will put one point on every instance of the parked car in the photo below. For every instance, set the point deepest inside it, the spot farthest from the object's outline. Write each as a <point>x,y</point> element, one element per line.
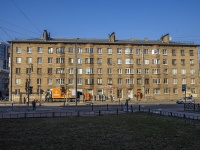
<point>188,100</point>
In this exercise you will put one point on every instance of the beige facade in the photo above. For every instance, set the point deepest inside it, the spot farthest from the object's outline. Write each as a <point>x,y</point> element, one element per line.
<point>151,69</point>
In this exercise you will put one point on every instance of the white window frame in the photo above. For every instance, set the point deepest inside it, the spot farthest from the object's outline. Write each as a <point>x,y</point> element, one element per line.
<point>119,51</point>
<point>109,50</point>
<point>119,71</point>
<point>128,51</point>
<point>99,50</point>
<point>128,61</point>
<point>50,50</point>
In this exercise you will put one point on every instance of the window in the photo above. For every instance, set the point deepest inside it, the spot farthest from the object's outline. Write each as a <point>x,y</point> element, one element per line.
<point>39,60</point>
<point>191,53</point>
<point>79,71</point>
<point>183,81</point>
<point>18,49</point>
<point>137,51</point>
<point>99,60</point>
<point>146,61</point>
<point>155,51</point>
<point>119,51</point>
<point>182,53</point>
<point>175,90</point>
<point>71,60</point>
<point>89,81</point>
<point>60,60</point>
<point>89,50</point>
<point>191,61</point>
<point>156,71</point>
<point>60,70</point>
<point>155,61</point>
<point>128,61</point>
<point>99,70</point>
<point>60,50</point>
<point>146,51</point>
<point>89,60</point>
<point>193,90</point>
<point>50,50</point>
<point>183,71</point>
<point>109,50</point>
<point>165,71</point>
<point>128,51</point>
<point>39,70</point>
<point>29,49</point>
<point>50,60</point>
<point>174,71</point>
<point>18,70</point>
<point>139,71</point>
<point>50,70</point>
<point>109,61</point>
<point>99,81</point>
<point>109,81</point>
<point>79,60</point>
<point>165,61</point>
<point>165,81</point>
<point>99,50</point>
<point>139,81</point>
<point>60,81</point>
<point>109,70</point>
<point>164,52</point>
<point>70,81</point>
<point>71,70</point>
<point>173,52</point>
<point>147,91</point>
<point>18,60</point>
<point>70,50</point>
<point>89,71</point>
<point>119,61</point>
<point>129,81</point>
<point>146,70</point>
<point>174,81</point>
<point>166,91</point>
<point>39,81</point>
<point>40,49</point>
<point>129,71</point>
<point>182,61</point>
<point>146,81</point>
<point>138,61</point>
<point>29,60</point>
<point>79,81</point>
<point>156,91</point>
<point>49,81</point>
<point>17,81</point>
<point>156,81</point>
<point>119,81</point>
<point>28,70</point>
<point>173,61</point>
<point>192,71</point>
<point>79,50</point>
<point>192,81</point>
<point>119,71</point>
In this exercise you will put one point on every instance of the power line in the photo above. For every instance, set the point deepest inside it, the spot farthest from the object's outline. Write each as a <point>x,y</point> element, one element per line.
<point>17,26</point>
<point>26,16</point>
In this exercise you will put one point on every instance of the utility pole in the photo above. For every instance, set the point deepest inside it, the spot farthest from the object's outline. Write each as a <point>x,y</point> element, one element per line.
<point>76,96</point>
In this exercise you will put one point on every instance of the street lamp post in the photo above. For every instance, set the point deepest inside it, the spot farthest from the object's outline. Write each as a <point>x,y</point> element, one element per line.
<point>76,96</point>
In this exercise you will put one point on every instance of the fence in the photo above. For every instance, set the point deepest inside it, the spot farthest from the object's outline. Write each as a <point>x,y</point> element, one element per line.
<point>79,113</point>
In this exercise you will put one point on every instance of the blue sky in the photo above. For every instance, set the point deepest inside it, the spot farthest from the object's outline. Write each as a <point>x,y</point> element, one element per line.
<point>98,18</point>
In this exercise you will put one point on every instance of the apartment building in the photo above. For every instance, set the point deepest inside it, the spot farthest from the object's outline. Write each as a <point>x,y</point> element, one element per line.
<point>4,69</point>
<point>146,69</point>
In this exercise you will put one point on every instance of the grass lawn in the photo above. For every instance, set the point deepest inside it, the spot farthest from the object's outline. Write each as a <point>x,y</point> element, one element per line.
<point>110,132</point>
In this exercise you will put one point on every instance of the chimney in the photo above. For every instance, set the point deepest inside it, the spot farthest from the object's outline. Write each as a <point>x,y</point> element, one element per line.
<point>45,35</point>
<point>165,38</point>
<point>133,39</point>
<point>146,39</point>
<point>112,37</point>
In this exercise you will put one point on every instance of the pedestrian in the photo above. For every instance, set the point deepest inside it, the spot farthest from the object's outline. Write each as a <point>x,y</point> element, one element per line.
<point>27,100</point>
<point>34,105</point>
<point>24,99</point>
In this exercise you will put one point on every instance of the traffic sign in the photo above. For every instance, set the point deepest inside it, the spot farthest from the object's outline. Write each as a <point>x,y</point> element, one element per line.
<point>183,87</point>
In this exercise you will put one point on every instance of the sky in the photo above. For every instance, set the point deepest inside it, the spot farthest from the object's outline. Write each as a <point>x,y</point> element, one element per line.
<point>138,19</point>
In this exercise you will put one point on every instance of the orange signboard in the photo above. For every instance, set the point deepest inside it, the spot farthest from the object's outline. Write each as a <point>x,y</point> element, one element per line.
<point>56,93</point>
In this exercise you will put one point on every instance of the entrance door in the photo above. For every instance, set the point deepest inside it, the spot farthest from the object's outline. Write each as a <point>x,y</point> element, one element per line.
<point>139,94</point>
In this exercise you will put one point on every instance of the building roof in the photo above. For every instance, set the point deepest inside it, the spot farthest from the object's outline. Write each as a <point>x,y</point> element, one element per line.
<point>109,41</point>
